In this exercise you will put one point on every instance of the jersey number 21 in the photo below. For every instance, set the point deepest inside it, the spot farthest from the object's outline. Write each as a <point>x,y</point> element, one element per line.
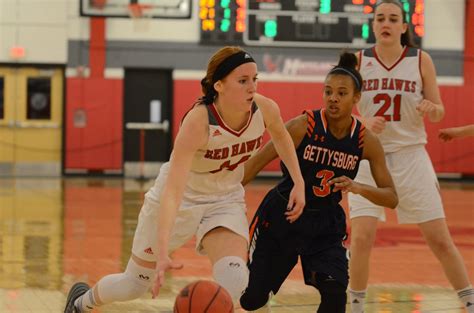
<point>388,102</point>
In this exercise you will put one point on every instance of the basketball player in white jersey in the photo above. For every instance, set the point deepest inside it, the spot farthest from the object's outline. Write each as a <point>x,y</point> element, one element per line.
<point>399,92</point>
<point>451,133</point>
<point>198,192</point>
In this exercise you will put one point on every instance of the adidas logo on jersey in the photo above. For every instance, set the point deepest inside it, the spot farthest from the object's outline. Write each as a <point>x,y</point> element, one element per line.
<point>216,133</point>
<point>148,251</point>
<point>247,56</point>
<point>369,64</point>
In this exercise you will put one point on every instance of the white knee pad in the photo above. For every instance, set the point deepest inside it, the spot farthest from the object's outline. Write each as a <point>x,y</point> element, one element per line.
<point>231,272</point>
<point>132,284</point>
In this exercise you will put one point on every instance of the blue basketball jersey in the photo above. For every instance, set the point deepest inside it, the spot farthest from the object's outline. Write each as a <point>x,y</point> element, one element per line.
<point>322,157</point>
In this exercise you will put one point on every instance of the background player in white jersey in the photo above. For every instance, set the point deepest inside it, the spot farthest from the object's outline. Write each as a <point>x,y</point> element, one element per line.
<point>198,192</point>
<point>448,134</point>
<point>399,91</point>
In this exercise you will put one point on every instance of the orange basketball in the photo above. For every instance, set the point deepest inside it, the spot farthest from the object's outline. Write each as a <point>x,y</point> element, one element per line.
<point>203,296</point>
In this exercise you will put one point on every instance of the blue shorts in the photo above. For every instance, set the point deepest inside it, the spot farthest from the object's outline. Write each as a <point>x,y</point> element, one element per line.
<point>275,245</point>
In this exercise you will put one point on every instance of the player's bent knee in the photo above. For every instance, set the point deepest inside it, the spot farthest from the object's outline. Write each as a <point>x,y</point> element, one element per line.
<point>333,294</point>
<point>132,284</point>
<point>231,272</point>
<point>253,300</point>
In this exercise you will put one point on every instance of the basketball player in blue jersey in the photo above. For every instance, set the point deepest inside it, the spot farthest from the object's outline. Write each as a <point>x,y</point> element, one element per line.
<point>329,143</point>
<point>399,92</point>
<point>199,191</point>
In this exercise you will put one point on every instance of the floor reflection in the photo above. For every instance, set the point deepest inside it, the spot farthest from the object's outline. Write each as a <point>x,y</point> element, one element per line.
<point>54,232</point>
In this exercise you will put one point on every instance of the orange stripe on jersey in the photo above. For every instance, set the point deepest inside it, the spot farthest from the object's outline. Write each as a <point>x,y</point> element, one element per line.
<point>353,126</point>
<point>362,130</point>
<point>252,227</point>
<point>310,114</point>
<point>361,135</point>
<point>323,119</point>
<point>311,122</point>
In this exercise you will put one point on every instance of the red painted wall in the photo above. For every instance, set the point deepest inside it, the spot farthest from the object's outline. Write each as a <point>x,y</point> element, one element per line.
<point>98,146</point>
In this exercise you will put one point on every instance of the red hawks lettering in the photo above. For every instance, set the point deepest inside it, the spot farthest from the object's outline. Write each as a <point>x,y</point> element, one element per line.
<point>389,84</point>
<point>330,157</point>
<point>234,150</point>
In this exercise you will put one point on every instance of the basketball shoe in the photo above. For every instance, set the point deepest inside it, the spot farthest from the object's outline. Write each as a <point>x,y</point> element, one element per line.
<point>77,290</point>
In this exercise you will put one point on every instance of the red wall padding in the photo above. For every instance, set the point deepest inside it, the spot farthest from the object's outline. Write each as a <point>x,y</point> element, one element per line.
<point>98,146</point>
<point>294,97</point>
<point>456,156</point>
<point>469,44</point>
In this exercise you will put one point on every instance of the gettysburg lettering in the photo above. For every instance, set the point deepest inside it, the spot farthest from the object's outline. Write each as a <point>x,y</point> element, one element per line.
<point>330,157</point>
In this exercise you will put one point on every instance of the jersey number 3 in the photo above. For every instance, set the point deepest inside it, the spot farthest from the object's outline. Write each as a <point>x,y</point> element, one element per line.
<point>387,103</point>
<point>323,189</point>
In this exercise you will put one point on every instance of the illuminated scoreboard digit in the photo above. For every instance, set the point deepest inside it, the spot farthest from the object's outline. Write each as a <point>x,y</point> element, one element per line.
<point>222,21</point>
<point>320,23</point>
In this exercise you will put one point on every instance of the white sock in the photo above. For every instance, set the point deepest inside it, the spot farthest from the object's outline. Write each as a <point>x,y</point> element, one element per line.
<point>357,299</point>
<point>133,283</point>
<point>86,302</point>
<point>231,272</point>
<point>466,296</point>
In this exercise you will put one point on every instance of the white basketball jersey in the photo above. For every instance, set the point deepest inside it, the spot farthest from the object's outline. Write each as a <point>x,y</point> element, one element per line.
<point>393,93</point>
<point>218,168</point>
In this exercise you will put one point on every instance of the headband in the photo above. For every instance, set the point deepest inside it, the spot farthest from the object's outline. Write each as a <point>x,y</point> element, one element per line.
<point>230,63</point>
<point>342,69</point>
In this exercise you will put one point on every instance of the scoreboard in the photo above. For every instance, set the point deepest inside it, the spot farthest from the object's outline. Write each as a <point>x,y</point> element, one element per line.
<point>298,23</point>
<point>222,21</point>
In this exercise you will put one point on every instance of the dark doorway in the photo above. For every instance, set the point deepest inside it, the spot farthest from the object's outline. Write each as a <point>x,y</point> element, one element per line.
<point>147,120</point>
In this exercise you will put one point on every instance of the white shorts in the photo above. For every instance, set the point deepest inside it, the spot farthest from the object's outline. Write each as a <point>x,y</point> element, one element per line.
<point>417,186</point>
<point>196,216</point>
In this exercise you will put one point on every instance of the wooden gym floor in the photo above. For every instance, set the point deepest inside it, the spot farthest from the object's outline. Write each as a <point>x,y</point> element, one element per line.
<point>54,232</point>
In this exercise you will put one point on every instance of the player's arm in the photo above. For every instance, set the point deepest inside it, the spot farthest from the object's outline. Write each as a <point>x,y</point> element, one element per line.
<point>431,104</point>
<point>192,135</point>
<point>296,127</point>
<point>374,123</point>
<point>384,194</point>
<point>447,134</point>
<point>286,150</point>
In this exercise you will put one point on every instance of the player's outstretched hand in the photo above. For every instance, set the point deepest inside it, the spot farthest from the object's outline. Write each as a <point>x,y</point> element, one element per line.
<point>448,134</point>
<point>164,264</point>
<point>344,184</point>
<point>296,203</point>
